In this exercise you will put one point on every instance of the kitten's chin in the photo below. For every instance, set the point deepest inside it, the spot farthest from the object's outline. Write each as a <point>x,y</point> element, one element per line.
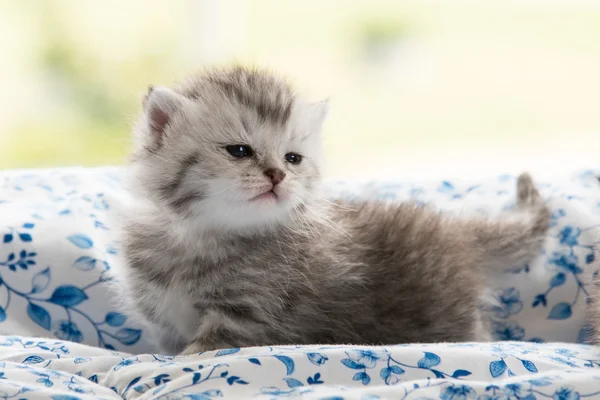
<point>268,197</point>
<point>264,211</point>
<point>275,196</point>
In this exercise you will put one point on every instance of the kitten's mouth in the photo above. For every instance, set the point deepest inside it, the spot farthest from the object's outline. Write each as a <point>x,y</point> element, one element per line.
<point>270,195</point>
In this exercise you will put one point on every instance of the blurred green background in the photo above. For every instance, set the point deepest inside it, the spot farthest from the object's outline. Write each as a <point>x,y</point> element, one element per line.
<point>415,87</point>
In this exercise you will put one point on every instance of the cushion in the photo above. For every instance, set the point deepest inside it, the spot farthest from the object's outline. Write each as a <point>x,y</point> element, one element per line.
<point>58,370</point>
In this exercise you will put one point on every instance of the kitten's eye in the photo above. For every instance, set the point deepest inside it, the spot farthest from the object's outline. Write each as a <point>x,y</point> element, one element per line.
<point>239,150</point>
<point>293,158</point>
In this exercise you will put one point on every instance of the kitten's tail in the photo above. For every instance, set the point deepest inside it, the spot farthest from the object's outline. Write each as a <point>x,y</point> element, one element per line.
<point>514,240</point>
<point>593,307</point>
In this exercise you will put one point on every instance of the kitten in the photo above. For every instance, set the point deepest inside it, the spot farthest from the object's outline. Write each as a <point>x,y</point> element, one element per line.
<point>230,243</point>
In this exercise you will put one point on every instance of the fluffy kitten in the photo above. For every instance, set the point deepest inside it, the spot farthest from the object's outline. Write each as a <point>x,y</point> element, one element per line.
<point>230,243</point>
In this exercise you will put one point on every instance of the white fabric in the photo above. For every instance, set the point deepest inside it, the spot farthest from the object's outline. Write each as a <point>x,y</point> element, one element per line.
<point>34,368</point>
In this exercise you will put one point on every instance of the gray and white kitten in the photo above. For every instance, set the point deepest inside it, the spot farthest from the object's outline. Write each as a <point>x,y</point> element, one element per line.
<point>230,243</point>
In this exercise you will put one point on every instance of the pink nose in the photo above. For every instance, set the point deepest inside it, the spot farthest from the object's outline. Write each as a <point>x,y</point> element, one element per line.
<point>275,174</point>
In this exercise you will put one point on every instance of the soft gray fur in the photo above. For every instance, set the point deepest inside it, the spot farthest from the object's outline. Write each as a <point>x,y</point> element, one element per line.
<point>593,306</point>
<point>210,266</point>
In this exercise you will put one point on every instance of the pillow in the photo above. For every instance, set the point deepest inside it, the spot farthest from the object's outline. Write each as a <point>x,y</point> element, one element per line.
<point>56,247</point>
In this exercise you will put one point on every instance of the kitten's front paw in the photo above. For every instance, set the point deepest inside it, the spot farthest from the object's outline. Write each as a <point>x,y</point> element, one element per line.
<point>199,346</point>
<point>193,348</point>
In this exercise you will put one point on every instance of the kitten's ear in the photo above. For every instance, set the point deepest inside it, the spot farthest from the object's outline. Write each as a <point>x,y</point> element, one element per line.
<point>316,114</point>
<point>160,105</point>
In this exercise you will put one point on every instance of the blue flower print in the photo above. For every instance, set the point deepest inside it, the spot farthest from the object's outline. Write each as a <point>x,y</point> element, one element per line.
<point>78,387</point>
<point>513,390</point>
<point>366,358</point>
<point>508,330</point>
<point>566,262</point>
<point>67,330</point>
<point>125,363</point>
<point>461,392</point>
<point>565,393</point>
<point>317,358</point>
<point>566,352</point>
<point>569,236</point>
<point>60,349</point>
<point>510,303</point>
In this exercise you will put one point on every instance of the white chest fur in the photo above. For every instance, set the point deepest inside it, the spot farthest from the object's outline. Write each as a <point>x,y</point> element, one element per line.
<point>177,319</point>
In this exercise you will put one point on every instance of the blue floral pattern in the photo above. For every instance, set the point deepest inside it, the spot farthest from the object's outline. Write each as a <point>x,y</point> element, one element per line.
<point>504,370</point>
<point>57,250</point>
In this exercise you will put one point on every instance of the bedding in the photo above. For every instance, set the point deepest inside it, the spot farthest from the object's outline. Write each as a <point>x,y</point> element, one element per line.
<point>66,338</point>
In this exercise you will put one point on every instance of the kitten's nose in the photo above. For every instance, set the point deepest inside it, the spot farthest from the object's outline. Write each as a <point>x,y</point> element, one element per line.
<point>275,174</point>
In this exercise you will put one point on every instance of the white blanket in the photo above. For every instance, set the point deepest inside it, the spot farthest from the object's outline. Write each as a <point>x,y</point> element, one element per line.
<point>56,246</point>
<point>35,368</point>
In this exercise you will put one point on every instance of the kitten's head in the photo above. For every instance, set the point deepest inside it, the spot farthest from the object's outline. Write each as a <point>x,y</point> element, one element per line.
<point>234,148</point>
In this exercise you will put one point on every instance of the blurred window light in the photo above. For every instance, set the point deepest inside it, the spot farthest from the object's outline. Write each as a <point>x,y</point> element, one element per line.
<point>461,87</point>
